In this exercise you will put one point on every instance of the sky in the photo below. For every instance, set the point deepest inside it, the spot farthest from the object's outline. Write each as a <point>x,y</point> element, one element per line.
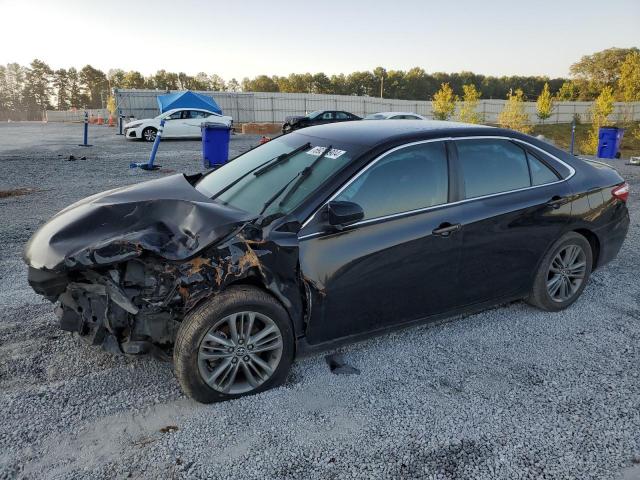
<point>240,38</point>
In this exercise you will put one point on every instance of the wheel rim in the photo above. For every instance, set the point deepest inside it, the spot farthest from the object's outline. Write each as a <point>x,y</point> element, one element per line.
<point>566,273</point>
<point>240,352</point>
<point>149,135</point>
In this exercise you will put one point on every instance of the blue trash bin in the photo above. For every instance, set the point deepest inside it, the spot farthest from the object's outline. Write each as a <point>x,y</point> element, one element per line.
<point>609,140</point>
<point>215,144</point>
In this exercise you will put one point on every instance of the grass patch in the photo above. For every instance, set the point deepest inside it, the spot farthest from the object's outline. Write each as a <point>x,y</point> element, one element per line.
<point>560,135</point>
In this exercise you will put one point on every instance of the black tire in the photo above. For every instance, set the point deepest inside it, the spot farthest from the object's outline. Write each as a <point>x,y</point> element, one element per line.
<point>286,128</point>
<point>149,134</point>
<point>196,325</point>
<point>540,296</point>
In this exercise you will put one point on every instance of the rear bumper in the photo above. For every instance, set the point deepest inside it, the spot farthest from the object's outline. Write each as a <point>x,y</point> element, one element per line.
<point>612,237</point>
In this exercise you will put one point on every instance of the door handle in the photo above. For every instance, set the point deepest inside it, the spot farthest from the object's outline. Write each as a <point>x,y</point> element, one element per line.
<point>446,229</point>
<point>557,201</point>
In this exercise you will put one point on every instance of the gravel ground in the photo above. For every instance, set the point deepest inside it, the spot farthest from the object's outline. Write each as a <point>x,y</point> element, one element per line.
<point>509,393</point>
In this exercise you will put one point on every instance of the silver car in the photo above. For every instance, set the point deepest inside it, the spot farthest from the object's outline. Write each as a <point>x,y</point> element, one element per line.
<point>394,116</point>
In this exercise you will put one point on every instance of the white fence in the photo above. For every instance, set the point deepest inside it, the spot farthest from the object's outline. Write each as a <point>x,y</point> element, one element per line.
<point>74,115</point>
<point>274,107</point>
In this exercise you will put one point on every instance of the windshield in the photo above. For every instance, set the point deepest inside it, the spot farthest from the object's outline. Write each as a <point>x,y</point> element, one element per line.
<point>375,116</point>
<point>248,184</point>
<point>315,114</point>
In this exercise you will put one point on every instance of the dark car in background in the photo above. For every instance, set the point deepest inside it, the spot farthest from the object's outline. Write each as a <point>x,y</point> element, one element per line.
<point>319,117</point>
<point>323,237</point>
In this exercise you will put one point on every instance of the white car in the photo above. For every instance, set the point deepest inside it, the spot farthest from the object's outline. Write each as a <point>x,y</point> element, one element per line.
<point>394,116</point>
<point>179,123</point>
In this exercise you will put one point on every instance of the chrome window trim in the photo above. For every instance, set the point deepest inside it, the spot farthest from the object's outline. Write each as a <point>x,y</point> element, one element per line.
<point>572,172</point>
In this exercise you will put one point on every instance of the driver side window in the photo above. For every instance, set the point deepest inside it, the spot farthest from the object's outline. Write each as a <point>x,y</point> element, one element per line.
<point>407,179</point>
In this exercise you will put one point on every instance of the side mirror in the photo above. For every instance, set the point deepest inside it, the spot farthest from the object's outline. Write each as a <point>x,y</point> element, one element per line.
<point>340,214</point>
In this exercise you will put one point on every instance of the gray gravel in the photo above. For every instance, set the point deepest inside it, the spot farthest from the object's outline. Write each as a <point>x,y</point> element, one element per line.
<point>509,393</point>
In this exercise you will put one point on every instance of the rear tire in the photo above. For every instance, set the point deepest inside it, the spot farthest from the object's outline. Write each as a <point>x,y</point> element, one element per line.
<point>228,329</point>
<point>149,134</point>
<point>563,273</point>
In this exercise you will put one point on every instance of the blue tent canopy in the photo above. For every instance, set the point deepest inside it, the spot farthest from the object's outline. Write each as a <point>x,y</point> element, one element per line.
<point>187,99</point>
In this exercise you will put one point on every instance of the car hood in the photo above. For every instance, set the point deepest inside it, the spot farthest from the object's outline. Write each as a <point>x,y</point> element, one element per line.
<point>166,217</point>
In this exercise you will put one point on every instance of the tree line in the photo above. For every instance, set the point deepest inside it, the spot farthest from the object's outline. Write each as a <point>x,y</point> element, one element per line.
<point>40,87</point>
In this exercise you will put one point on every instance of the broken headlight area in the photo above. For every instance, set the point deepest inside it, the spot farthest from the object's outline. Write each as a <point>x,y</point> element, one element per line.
<point>131,308</point>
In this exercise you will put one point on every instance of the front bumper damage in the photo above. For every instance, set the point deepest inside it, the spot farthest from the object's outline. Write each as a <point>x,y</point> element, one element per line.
<point>132,308</point>
<point>125,266</point>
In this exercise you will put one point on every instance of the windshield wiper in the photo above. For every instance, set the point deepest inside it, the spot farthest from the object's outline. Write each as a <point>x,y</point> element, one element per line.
<point>300,176</point>
<point>278,159</point>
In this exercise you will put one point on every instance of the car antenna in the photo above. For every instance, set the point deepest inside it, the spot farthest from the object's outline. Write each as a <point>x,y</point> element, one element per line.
<point>276,159</point>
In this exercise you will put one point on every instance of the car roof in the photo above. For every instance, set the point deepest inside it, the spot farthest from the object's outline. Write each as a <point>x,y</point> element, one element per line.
<point>374,133</point>
<point>395,113</point>
<point>190,108</point>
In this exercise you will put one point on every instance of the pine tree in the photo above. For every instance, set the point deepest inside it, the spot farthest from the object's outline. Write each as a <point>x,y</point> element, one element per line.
<point>444,103</point>
<point>61,89</point>
<point>37,85</point>
<point>76,99</point>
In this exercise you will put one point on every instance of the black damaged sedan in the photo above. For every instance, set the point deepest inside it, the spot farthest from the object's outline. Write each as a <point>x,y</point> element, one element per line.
<point>323,237</point>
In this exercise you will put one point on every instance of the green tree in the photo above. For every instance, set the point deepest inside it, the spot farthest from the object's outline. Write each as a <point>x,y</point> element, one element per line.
<point>513,115</point>
<point>598,70</point>
<point>116,78</point>
<point>76,98</point>
<point>37,85</point>
<point>601,109</point>
<point>95,86</point>
<point>61,89</point>
<point>629,81</point>
<point>544,104</point>
<point>567,92</point>
<point>444,103</point>
<point>233,85</point>
<point>261,83</point>
<point>4,101</point>
<point>133,79</point>
<point>469,109</point>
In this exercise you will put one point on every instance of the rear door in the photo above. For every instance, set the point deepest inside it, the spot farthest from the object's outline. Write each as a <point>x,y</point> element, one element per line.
<point>515,207</point>
<point>397,264</point>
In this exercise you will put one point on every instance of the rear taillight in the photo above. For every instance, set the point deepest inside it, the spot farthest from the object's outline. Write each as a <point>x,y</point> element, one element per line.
<point>621,192</point>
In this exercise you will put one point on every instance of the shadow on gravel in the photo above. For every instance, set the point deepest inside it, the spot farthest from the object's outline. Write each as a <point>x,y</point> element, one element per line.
<point>16,192</point>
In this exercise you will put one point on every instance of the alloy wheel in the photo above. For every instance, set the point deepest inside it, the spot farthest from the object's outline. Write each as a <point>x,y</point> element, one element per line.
<point>149,135</point>
<point>566,273</point>
<point>240,352</point>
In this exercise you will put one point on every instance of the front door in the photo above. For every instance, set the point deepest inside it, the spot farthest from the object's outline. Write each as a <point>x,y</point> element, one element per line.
<point>396,265</point>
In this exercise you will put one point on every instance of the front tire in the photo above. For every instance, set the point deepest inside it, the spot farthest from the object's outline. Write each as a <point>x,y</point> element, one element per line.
<point>563,273</point>
<point>286,128</point>
<point>149,134</point>
<point>238,343</point>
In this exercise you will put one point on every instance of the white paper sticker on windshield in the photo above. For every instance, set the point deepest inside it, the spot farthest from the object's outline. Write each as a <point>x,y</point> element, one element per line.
<point>333,153</point>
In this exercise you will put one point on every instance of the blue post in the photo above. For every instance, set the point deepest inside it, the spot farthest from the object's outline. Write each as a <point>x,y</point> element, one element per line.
<point>573,135</point>
<point>154,150</point>
<point>85,136</point>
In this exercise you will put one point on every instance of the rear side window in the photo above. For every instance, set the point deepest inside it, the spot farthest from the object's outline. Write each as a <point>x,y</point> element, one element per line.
<point>408,179</point>
<point>540,173</point>
<point>492,166</point>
